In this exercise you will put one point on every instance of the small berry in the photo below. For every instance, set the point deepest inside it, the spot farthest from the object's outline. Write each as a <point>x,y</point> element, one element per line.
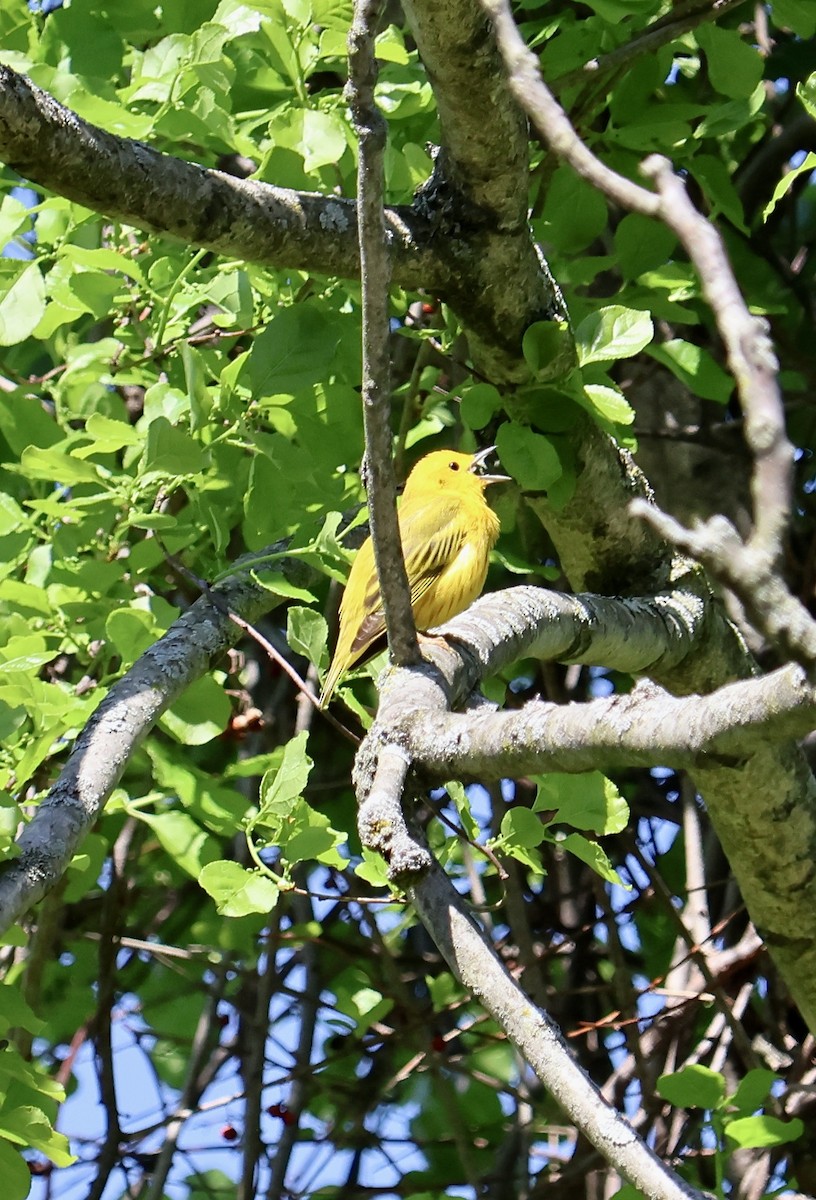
<point>229,1133</point>
<point>438,1043</point>
<point>289,1118</point>
<point>276,1110</point>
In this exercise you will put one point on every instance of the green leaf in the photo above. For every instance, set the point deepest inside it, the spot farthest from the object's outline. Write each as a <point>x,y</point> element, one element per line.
<point>373,869</point>
<point>307,835</point>
<point>106,436</point>
<point>611,333</point>
<point>574,212</point>
<point>609,403</point>
<point>693,1087</point>
<point>521,827</point>
<point>797,15</point>
<point>593,855</point>
<point>200,714</point>
<point>753,1090</point>
<point>28,1126</point>
<point>237,891</point>
<point>548,349</point>
<point>190,846</point>
<point>324,138</point>
<point>16,1013</point>
<point>15,1173</point>
<point>279,585</point>
<point>753,1132</point>
<point>132,631</point>
<point>723,120</point>
<point>390,47</point>
<point>22,305</point>
<point>806,167</point>
<point>589,801</point>
<point>480,403</point>
<point>695,367</point>
<point>734,67</point>
<point>293,352</point>
<point>103,260</point>
<point>715,178</point>
<point>307,633</point>
<point>58,467</point>
<point>171,451</point>
<point>282,786</point>
<point>642,244</point>
<point>529,457</point>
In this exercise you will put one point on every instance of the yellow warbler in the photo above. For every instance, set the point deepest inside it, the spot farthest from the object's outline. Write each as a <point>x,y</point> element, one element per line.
<point>447,531</point>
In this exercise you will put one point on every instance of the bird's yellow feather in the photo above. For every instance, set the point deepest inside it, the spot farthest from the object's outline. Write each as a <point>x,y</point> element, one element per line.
<point>447,531</point>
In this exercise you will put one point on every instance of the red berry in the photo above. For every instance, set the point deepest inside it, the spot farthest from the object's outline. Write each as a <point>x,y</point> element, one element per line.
<point>289,1118</point>
<point>428,308</point>
<point>276,1110</point>
<point>438,1043</point>
<point>229,1133</point>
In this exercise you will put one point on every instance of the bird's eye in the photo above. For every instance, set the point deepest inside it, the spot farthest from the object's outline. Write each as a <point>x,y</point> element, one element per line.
<point>454,466</point>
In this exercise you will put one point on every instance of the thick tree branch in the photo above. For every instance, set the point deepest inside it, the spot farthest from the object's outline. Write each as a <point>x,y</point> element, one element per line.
<point>381,486</point>
<point>632,635</point>
<point>761,795</point>
<point>51,146</point>
<point>478,191</point>
<point>646,728</point>
<point>127,713</point>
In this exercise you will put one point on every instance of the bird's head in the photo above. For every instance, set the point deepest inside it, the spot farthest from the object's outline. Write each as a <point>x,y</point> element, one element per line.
<point>451,471</point>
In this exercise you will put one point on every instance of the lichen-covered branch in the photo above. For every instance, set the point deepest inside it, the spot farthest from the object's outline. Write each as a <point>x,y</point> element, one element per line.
<point>646,727</point>
<point>51,146</point>
<point>127,713</point>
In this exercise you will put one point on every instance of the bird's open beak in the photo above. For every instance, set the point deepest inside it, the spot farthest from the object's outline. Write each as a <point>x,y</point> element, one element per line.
<point>477,467</point>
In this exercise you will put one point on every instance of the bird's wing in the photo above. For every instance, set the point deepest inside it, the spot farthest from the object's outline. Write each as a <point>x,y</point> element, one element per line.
<point>426,556</point>
<point>425,559</point>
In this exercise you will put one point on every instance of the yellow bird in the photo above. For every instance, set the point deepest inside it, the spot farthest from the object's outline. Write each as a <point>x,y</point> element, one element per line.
<point>447,532</point>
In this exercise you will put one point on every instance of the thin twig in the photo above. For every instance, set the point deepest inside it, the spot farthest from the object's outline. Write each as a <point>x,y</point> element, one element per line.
<point>750,568</point>
<point>274,655</point>
<point>646,41</point>
<point>375,265</point>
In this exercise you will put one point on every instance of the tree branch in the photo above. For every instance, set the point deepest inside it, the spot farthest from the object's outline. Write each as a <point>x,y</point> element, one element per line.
<point>473,960</point>
<point>127,713</point>
<point>130,181</point>
<point>646,728</point>
<point>478,190</point>
<point>381,485</point>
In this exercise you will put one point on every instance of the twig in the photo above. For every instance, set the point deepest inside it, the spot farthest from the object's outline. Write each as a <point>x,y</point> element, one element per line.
<point>750,569</point>
<point>750,357</point>
<point>302,1076</point>
<point>375,266</point>
<point>680,20</point>
<point>261,988</point>
<point>551,121</point>
<point>307,694</point>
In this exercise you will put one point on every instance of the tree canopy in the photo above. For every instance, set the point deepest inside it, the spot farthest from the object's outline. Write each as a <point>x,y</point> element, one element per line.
<point>533,906</point>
